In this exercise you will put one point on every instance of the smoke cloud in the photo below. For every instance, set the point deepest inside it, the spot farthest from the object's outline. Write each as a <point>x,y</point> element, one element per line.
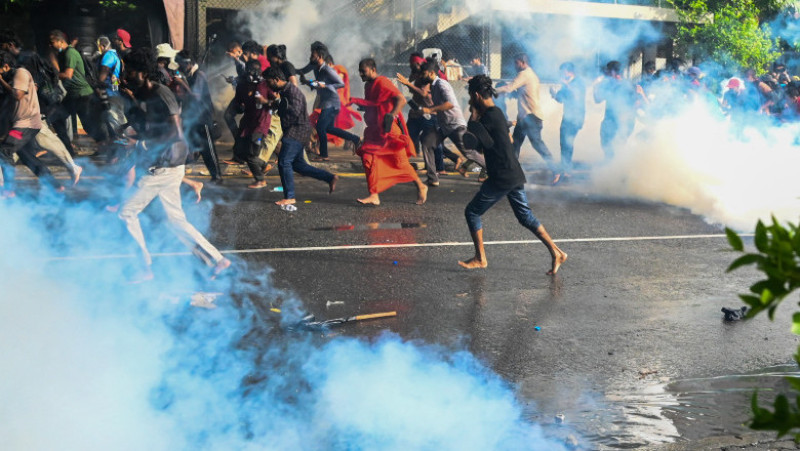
<point>89,363</point>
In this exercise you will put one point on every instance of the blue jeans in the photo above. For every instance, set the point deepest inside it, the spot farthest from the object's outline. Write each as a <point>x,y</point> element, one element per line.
<point>531,126</point>
<point>325,126</point>
<point>291,159</point>
<point>488,195</point>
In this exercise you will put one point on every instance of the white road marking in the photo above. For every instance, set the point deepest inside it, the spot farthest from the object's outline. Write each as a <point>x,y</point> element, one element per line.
<point>400,246</point>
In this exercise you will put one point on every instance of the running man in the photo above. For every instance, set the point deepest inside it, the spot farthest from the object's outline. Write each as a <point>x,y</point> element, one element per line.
<point>506,178</point>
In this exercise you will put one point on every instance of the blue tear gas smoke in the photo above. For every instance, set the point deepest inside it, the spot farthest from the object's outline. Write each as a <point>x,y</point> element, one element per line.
<point>90,363</point>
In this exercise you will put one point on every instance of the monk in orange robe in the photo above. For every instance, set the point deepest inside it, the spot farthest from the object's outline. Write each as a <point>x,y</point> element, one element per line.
<point>386,145</point>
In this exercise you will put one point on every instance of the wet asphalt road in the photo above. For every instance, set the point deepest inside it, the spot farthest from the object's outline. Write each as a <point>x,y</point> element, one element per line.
<point>627,340</point>
<point>622,325</point>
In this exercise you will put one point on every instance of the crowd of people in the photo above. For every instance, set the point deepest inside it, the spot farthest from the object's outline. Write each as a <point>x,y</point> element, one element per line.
<point>150,112</point>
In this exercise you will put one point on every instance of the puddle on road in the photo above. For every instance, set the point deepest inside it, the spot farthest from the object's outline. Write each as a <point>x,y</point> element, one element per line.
<point>372,226</point>
<point>672,411</point>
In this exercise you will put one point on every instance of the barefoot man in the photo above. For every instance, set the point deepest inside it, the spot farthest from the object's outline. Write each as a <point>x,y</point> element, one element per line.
<point>386,146</point>
<point>506,178</point>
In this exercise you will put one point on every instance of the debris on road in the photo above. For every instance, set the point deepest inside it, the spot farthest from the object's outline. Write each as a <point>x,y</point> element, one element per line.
<point>204,299</point>
<point>288,207</point>
<point>309,323</point>
<point>732,314</point>
<point>330,303</point>
<point>643,373</point>
<point>560,418</point>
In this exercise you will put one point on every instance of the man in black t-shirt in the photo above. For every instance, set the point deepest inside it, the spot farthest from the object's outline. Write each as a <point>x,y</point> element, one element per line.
<point>161,157</point>
<point>506,179</point>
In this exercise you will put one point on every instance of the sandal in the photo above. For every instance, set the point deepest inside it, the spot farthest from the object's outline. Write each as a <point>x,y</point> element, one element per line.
<point>319,159</point>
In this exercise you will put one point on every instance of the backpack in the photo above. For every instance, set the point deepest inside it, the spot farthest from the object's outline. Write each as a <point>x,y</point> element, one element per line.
<point>90,73</point>
<point>46,78</point>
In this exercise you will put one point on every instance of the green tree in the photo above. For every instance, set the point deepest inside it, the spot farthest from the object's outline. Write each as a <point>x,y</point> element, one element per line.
<point>729,33</point>
<point>778,258</point>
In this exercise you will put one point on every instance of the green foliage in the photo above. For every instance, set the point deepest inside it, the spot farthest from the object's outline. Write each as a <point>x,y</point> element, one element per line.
<point>730,32</point>
<point>778,258</point>
<point>118,4</point>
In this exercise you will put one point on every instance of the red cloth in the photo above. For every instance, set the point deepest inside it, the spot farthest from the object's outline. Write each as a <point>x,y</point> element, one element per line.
<point>264,62</point>
<point>385,155</point>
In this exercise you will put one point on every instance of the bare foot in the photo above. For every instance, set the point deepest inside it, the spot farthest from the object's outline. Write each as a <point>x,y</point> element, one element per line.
<point>332,184</point>
<point>474,263</point>
<point>76,174</point>
<point>222,265</point>
<point>422,196</point>
<point>461,167</point>
<point>558,260</point>
<point>258,185</point>
<point>372,199</point>
<point>285,202</point>
<point>198,187</point>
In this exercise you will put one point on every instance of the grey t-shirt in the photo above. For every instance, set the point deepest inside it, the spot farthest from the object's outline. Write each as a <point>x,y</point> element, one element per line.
<point>164,148</point>
<point>449,120</point>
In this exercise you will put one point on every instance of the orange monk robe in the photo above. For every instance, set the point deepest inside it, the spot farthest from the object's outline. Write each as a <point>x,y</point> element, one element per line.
<point>347,117</point>
<point>385,155</point>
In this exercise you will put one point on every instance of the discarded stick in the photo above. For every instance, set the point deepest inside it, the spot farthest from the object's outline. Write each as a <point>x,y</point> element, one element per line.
<point>320,325</point>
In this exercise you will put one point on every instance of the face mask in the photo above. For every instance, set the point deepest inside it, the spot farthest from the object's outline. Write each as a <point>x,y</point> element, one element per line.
<point>254,77</point>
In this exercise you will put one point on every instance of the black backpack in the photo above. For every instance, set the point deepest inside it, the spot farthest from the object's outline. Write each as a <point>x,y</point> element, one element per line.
<point>46,78</point>
<point>90,72</point>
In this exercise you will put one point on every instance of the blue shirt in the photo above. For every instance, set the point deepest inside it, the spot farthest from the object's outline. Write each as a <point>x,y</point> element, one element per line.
<point>112,62</point>
<point>328,97</point>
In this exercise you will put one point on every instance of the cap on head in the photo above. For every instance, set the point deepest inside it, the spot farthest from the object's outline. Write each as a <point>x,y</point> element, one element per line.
<point>125,37</point>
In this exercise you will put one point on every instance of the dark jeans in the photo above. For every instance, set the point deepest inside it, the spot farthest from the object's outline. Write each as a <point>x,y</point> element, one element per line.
<point>291,159</point>
<point>254,163</point>
<point>199,137</point>
<point>230,118</point>
<point>417,126</point>
<point>90,113</point>
<point>489,195</point>
<point>531,126</point>
<point>568,132</point>
<point>20,141</point>
<point>325,125</point>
